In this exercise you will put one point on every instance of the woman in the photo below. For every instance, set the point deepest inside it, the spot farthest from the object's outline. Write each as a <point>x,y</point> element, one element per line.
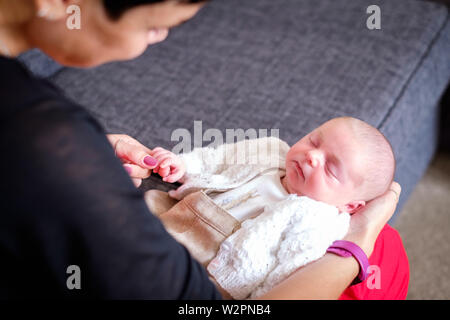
<point>67,200</point>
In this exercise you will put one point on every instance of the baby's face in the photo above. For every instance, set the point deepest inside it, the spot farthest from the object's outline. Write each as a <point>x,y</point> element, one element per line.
<point>326,165</point>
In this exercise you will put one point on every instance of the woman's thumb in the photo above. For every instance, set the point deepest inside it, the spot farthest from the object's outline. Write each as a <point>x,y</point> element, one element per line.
<point>135,154</point>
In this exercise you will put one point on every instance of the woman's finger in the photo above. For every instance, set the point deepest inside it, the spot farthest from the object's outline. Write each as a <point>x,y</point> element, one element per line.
<point>385,204</point>
<point>137,182</point>
<point>157,149</point>
<point>136,171</point>
<point>135,154</point>
<point>113,138</point>
<point>396,189</point>
<point>366,224</point>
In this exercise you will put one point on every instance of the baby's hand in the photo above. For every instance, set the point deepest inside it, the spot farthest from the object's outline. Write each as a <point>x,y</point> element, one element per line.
<point>170,167</point>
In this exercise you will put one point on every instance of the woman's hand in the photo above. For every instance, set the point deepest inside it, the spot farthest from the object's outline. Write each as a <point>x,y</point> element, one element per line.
<point>328,277</point>
<point>136,158</point>
<point>366,224</point>
<point>170,167</point>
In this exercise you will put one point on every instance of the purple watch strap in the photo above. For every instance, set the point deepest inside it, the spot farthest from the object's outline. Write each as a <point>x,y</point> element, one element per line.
<point>347,249</point>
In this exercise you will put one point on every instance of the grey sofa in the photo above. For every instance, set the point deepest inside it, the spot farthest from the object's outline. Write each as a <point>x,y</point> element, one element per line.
<point>286,64</point>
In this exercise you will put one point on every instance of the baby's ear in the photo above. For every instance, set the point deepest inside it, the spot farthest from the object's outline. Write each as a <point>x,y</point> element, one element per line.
<point>352,207</point>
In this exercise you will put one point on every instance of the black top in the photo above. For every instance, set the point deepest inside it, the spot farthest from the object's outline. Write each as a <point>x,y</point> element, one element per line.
<point>66,200</point>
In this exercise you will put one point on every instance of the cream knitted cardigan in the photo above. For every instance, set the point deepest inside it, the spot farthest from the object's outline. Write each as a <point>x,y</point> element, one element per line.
<point>230,165</point>
<point>269,247</point>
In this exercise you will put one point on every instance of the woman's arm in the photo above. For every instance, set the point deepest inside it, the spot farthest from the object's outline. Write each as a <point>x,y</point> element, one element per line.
<point>315,281</point>
<point>136,157</point>
<point>324,279</point>
<point>70,202</point>
<point>329,276</point>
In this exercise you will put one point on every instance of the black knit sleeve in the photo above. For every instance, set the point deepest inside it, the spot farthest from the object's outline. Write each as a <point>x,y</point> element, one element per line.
<point>66,200</point>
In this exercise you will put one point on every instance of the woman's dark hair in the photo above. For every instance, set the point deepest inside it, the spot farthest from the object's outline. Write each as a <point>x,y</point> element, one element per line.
<point>115,8</point>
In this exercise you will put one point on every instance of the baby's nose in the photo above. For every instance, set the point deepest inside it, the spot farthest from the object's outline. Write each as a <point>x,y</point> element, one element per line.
<point>315,158</point>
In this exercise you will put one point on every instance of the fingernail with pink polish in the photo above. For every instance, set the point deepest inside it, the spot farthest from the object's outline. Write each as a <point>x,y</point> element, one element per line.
<point>129,170</point>
<point>149,161</point>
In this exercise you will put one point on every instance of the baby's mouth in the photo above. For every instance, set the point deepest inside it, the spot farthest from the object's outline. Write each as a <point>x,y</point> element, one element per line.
<point>299,169</point>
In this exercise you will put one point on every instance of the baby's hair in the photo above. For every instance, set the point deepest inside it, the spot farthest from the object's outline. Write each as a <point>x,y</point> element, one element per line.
<point>380,159</point>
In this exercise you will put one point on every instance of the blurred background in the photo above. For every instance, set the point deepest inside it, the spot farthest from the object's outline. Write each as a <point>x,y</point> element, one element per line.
<point>424,222</point>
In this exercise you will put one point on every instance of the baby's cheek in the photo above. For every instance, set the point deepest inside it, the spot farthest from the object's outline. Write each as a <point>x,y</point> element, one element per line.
<point>316,189</point>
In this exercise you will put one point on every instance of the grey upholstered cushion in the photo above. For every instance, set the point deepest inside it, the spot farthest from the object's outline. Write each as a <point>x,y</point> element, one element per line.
<point>39,63</point>
<point>286,64</point>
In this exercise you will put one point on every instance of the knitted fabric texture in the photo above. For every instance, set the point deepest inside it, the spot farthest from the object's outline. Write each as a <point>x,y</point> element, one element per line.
<point>230,165</point>
<point>268,248</point>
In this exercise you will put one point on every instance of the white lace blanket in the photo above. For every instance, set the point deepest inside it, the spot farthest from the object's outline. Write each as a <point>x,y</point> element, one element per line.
<point>268,248</point>
<point>283,238</point>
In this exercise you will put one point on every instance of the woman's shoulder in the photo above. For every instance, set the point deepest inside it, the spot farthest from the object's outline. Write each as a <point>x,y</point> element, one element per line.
<point>26,98</point>
<point>20,89</point>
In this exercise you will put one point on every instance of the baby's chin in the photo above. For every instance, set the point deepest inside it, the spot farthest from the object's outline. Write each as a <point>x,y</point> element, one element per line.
<point>300,192</point>
<point>297,190</point>
<point>292,188</point>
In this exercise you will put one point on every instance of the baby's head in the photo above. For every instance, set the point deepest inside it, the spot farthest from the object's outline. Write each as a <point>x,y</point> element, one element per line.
<point>345,162</point>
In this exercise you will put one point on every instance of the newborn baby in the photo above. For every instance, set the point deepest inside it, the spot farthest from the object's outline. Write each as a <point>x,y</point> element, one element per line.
<point>289,210</point>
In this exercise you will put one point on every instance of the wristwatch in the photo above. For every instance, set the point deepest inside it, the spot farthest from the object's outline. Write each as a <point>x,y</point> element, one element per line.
<point>349,249</point>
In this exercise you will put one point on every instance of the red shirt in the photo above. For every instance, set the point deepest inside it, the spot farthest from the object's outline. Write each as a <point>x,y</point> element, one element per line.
<point>388,274</point>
